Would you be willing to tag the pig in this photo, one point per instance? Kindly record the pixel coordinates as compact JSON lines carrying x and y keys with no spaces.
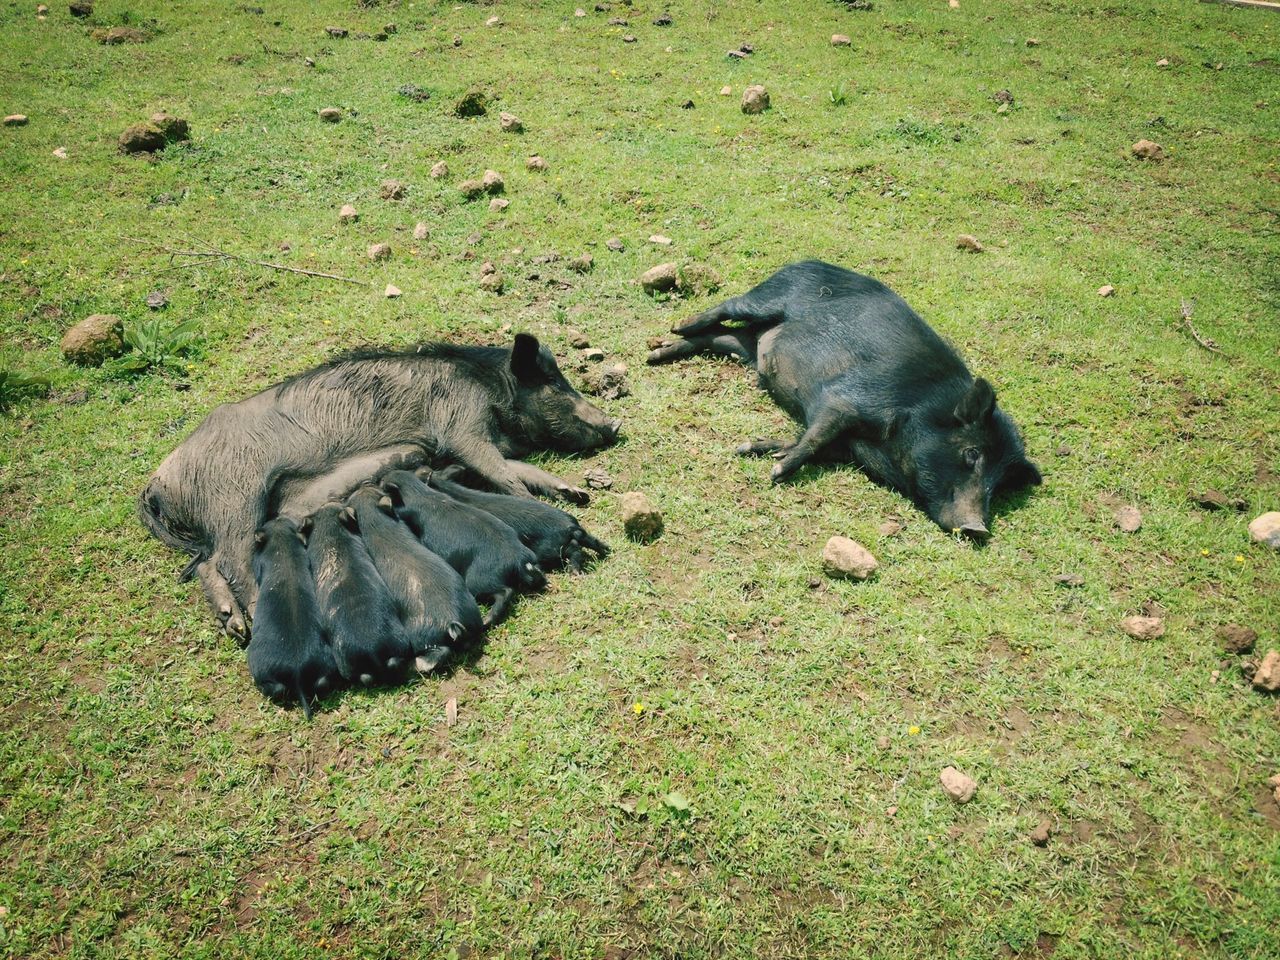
{"x":316,"y":436}
{"x":554,"y":536}
{"x":290,"y":655}
{"x":484,"y":550}
{"x":356,"y":606}
{"x":871,"y":383}
{"x":439,"y":614}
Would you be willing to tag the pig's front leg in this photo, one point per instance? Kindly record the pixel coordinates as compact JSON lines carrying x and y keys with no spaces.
{"x":547,"y":484}
{"x":222,"y":601}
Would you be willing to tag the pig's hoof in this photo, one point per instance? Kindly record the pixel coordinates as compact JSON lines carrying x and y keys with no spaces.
{"x":780,"y":472}
{"x":574,"y":495}
{"x":758,"y":448}
{"x":431,"y":658}
{"x":235,"y":626}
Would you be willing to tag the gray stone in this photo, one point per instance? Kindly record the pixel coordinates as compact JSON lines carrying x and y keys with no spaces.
{"x":1129,"y":519}
{"x":492,"y":181}
{"x":1266,"y":529}
{"x":1143,"y":628}
{"x":661,"y":278}
{"x":640,"y":518}
{"x":440,"y":170}
{"x":330,"y":114}
{"x":842,"y":557}
{"x":755,"y":99}
{"x":958,"y":786}
{"x":1267,"y":676}
{"x":510,"y":123}
{"x":537,"y":164}
{"x":94,"y":339}
{"x":379,"y":251}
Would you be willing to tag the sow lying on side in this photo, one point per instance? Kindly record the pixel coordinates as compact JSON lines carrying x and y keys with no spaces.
{"x":316,"y":437}
{"x":872,"y":384}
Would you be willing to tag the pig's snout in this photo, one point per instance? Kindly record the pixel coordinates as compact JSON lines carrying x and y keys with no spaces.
{"x":615,"y":427}
{"x":976,"y":532}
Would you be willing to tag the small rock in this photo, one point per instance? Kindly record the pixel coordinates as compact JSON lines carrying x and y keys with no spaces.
{"x":640,"y":518}
{"x":582,"y":264}
{"x":1210,"y":499}
{"x":487,"y":268}
{"x":1162,"y":62}
{"x":597,"y":478}
{"x":1040,"y":835}
{"x":1236,"y":638}
{"x":474,"y":238}
{"x":16,"y":120}
{"x":42,"y":10}
{"x":612,"y":383}
{"x":457,"y":41}
{"x":391,"y":190}
{"x":175,"y":129}
{"x":492,"y":282}
{"x":1106,"y":290}
{"x":420,"y":231}
{"x":890,"y":528}
{"x":726,"y":91}
{"x":157,"y":300}
{"x":379,"y":251}
{"x":94,"y":339}
{"x":737,"y":55}
{"x":628,"y":39}
{"x":499,"y":203}
{"x":1147,"y":150}
{"x":440,"y":170}
{"x":840,"y":40}
{"x":1267,"y":676}
{"x":330,"y":114}
{"x":1032,"y":42}
{"x":1064,"y":450}
{"x":593,"y":355}
{"x":473,"y":103}
{"x":1071,"y":581}
{"x":60,"y":152}
{"x":309,"y":61}
{"x":1143,"y":628}
{"x":471,"y":188}
{"x":578,"y":340}
{"x":492,"y":182}
{"x":579,"y":12}
{"x":81,"y":9}
{"x":660,"y":240}
{"x":348,"y":214}
{"x":967,"y":241}
{"x":493,"y":22}
{"x":1002,"y":96}
{"x":842,"y":557}
{"x":336,"y":32}
{"x":614,"y":244}
{"x":1129,"y":519}
{"x":112,"y":36}
{"x":660,"y":278}
{"x":389,"y":28}
{"x":616,"y":22}
{"x":755,"y":99}
{"x":392,"y":291}
{"x":958,"y":786}
{"x":537,"y":164}
{"x":663,"y":21}
{"x":411,"y":91}
{"x":1266,"y":529}
{"x":510,"y":123}
{"x":142,"y":138}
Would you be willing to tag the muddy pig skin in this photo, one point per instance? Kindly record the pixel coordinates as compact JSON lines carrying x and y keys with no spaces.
{"x":554,"y":536}
{"x":289,"y":657}
{"x":439,"y":615}
{"x":315,"y":437}
{"x":484,"y":550}
{"x":359,"y":613}
{"x":872,"y":384}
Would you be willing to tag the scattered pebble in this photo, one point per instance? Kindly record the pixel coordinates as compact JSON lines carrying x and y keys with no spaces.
{"x":487,"y":268}
{"x":687,"y":105}
{"x":726,"y":91}
{"x":420,"y":231}
{"x":451,"y":712}
{"x":492,"y":282}
{"x":1147,"y":150}
{"x":379,"y":251}
{"x":1129,"y":519}
{"x":582,"y":264}
{"x":498,"y":204}
{"x":1032,"y":42}
{"x":660,"y":240}
{"x":60,"y":152}
{"x":1071,"y":581}
{"x":579,"y":12}
{"x":967,"y":241}
{"x":493,"y":182}
{"x":663,"y":21}
{"x":628,"y":39}
{"x":1210,"y":499}
{"x":113,"y":36}
{"x":1266,"y":529}
{"x":1236,"y":638}
{"x":578,"y":340}
{"x":660,"y":278}
{"x":1267,"y":676}
{"x":42,"y":10}
{"x":1002,"y":96}
{"x":392,"y":291}
{"x":1106,"y":290}
{"x":842,"y":557}
{"x":336,"y":32}
{"x":616,"y":22}
{"x":537,"y":164}
{"x":640,"y":518}
{"x":348,"y":214}
{"x":157,"y":300}
{"x":958,"y":786}
{"x":16,"y":120}
{"x":593,"y":355}
{"x":471,"y":188}
{"x":84,"y":8}
{"x":614,"y":244}
{"x":510,"y":123}
{"x":1143,"y":628}
{"x":840,"y":40}
{"x":1274,"y":784}
{"x":330,"y":114}
{"x":1040,"y":835}
{"x":597,"y":478}
{"x":392,"y":190}
{"x":493,"y":22}
{"x":1162,"y":62}
{"x":755,"y":99}
{"x":411,"y":91}
{"x":94,"y":339}
{"x":1064,"y":450}
{"x":612,"y":383}
{"x":440,"y":170}
{"x":890,"y":528}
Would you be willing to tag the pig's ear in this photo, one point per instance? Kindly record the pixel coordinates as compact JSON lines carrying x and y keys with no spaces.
{"x":524,"y":359}
{"x":386,"y":506}
{"x":977,"y":404}
{"x":1021,"y":473}
{"x":394,"y":496}
{"x":347,"y":517}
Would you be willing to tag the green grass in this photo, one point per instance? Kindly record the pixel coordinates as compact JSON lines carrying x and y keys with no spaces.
{"x":153,"y":805}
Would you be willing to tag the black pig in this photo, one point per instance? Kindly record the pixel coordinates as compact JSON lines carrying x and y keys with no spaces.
{"x":554,"y":536}
{"x":315,"y":437}
{"x":289,"y":656}
{"x":439,"y":614}
{"x":360,"y":615}
{"x":485,"y":551}
{"x":872,"y":383}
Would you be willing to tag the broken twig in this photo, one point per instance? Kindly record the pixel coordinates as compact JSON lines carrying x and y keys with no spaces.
{"x":212,"y":254}
{"x":1206,"y":342}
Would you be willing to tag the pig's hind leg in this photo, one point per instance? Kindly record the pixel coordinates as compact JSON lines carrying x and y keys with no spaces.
{"x":835,"y":418}
{"x":739,"y":344}
{"x":222,"y":601}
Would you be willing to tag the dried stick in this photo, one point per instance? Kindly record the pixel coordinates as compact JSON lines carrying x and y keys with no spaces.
{"x":1206,"y":342}
{"x":212,"y":254}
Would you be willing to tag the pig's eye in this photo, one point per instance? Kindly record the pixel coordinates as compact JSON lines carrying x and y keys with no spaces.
{"x":971,"y":457}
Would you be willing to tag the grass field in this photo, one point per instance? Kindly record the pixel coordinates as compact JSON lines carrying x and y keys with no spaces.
{"x":703,"y":748}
